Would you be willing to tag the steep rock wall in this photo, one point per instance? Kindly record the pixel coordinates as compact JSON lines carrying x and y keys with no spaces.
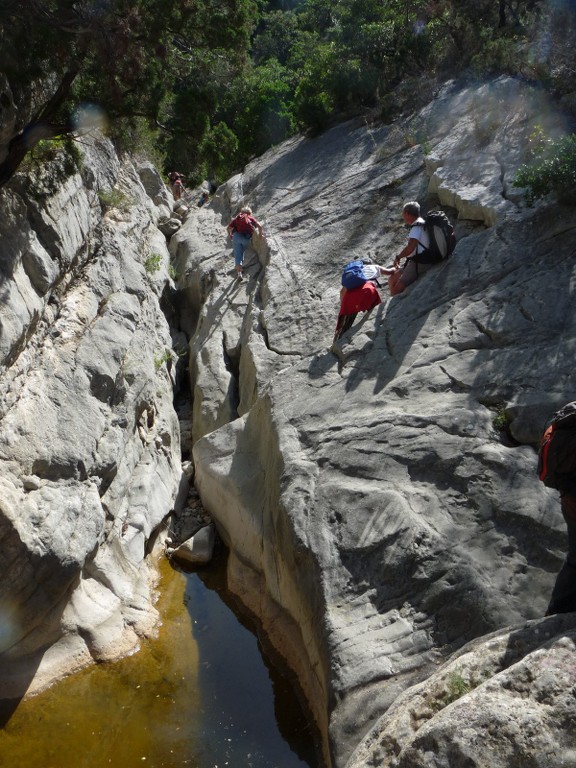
{"x":377,"y":518}
{"x":89,"y":441}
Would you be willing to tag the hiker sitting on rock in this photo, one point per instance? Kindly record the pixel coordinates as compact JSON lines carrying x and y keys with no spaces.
{"x":241,"y":229}
{"x":358,"y":293}
{"x":400,"y":277}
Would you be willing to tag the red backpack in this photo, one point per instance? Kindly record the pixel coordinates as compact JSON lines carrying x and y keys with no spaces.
{"x":557,"y":454}
{"x":243,"y":223}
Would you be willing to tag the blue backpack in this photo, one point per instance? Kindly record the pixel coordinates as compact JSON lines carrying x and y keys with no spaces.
{"x":353,"y":275}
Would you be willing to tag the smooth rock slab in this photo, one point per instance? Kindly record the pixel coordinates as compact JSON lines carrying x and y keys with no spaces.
{"x":366,"y":494}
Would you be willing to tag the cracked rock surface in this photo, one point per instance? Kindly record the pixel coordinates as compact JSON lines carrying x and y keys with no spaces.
{"x":89,"y":440}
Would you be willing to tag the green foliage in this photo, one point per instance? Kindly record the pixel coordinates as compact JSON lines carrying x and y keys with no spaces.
{"x":263,"y":106}
{"x":501,"y":420}
{"x":114,"y":198}
{"x":500,"y":55}
{"x":127,"y":58}
{"x":153,"y":263}
{"x":204,"y":86}
{"x":279,"y":31}
{"x":553,"y":169}
{"x":140,"y":138}
{"x":218,"y":151}
{"x":163,"y":358}
{"x":49,"y":165}
{"x":415,"y":139}
{"x":457,"y":687}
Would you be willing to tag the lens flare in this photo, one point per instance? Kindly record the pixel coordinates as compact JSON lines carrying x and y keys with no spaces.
{"x":89,"y":117}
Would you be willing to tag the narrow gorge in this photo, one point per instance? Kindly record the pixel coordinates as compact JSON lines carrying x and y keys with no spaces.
{"x":378,"y":495}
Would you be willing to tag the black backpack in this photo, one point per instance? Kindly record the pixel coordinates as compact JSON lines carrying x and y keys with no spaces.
{"x":442,"y":240}
{"x":557,"y":454}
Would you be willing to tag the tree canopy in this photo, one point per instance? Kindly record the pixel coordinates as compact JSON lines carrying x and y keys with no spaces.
{"x":215,"y":82}
{"x":128,"y":58}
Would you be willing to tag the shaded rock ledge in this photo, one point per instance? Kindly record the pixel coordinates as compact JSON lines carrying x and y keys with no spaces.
{"x":379,"y":496}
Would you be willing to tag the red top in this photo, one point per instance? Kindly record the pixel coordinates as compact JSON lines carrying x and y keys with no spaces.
{"x":360,"y":299}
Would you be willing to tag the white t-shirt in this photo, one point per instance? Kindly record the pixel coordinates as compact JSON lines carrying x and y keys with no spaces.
{"x":371,"y":271}
{"x":417,"y":232}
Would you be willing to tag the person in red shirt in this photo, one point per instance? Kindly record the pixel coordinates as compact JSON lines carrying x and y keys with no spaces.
{"x":241,"y":229}
{"x":361,"y":299}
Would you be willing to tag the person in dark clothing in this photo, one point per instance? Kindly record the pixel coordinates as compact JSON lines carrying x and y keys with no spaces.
{"x":563,"y":598}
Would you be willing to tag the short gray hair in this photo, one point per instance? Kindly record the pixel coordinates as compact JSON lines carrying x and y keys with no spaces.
{"x":246,"y":209}
{"x":412,"y":208}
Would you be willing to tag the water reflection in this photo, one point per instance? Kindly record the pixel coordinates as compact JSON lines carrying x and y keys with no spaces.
{"x":199,"y":695}
{"x":250,"y":714}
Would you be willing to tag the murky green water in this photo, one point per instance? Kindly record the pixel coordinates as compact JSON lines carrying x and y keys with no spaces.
{"x":199,"y":695}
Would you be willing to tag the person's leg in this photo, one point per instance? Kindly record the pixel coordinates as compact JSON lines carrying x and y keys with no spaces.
{"x":394,"y":283}
{"x":563,"y":598}
{"x":239,"y":243}
{"x":407,"y":275}
{"x":343,"y":324}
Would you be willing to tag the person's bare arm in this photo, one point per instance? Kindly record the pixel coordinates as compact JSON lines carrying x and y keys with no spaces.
{"x":407,"y":251}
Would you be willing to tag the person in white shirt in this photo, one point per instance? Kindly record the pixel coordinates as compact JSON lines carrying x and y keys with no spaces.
{"x":418,"y":242}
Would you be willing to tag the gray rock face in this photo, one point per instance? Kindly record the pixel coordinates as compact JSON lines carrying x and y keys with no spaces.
{"x":377,"y":517}
{"x":503,"y":700}
{"x":89,"y":441}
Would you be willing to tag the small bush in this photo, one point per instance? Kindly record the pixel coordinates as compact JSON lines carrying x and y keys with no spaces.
{"x":114,"y":198}
{"x":554,"y":170}
{"x":163,"y":358}
{"x":153,"y":263}
{"x":501,"y":419}
{"x":457,"y":687}
{"x":49,"y":165}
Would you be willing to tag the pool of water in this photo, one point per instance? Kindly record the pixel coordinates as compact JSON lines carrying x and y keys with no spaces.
{"x":201,"y":694}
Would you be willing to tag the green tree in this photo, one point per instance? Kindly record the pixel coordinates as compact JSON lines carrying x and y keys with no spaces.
{"x":126,"y":57}
{"x":553,"y":169}
{"x":260,"y":107}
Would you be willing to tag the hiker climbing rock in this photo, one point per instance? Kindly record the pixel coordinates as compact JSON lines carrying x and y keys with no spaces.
{"x":358,"y":293}
{"x":241,"y":229}
{"x":176,"y":184}
{"x":430,"y":240}
{"x":557,"y":469}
